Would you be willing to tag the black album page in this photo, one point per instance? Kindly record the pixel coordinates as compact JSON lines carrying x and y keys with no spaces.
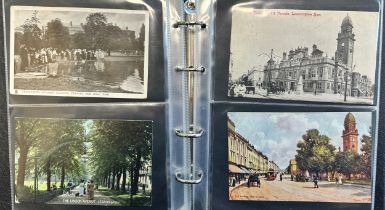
{"x":86,"y":107}
{"x":296,"y":104}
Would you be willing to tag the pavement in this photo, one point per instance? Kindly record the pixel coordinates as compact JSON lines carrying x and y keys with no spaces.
{"x":288,"y":190}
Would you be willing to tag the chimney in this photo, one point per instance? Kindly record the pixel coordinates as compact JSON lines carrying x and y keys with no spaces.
{"x":284,"y":56}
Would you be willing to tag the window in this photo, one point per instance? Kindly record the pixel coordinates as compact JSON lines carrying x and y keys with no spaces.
{"x":313,"y":73}
{"x":319,"y":85}
{"x":320,"y":71}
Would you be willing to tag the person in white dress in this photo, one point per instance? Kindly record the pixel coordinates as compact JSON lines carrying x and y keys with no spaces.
{"x":339,"y":179}
{"x":81,"y":188}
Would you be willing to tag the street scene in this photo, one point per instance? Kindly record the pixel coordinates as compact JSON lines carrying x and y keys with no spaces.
{"x":311,"y":157}
{"x":75,"y":52}
{"x":305,"y":63}
{"x":83,"y":162}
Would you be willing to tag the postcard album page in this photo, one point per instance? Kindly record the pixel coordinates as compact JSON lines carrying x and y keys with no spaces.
{"x":295,"y":110}
{"x":87,"y":117}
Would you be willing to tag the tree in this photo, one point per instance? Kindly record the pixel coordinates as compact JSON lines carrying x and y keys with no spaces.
{"x":28,"y":134}
{"x":79,"y":41}
{"x":142,"y":37}
{"x":345,"y":162}
{"x":315,"y":153}
{"x":59,"y":148}
{"x":366,"y":149}
{"x":119,"y":148}
{"x":32,"y":32}
{"x":57,"y":35}
{"x":19,"y":41}
{"x":95,"y":29}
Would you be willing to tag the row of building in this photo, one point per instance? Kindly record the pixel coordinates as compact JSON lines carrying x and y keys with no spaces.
{"x":244,"y":158}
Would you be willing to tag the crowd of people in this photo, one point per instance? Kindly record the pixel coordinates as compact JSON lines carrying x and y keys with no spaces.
{"x":30,"y":58}
{"x":84,"y":188}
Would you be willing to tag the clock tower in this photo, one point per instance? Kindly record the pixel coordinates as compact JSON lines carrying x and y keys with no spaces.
{"x":345,"y":43}
{"x":350,"y":134}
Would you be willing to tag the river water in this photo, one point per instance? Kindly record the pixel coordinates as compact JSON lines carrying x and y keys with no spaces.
{"x":124,"y":73}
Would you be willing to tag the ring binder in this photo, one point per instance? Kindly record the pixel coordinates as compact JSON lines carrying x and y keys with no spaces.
{"x":192,"y":133}
{"x":179,"y":176}
{"x":193,"y":69}
{"x":192,"y":176}
{"x":187,"y":24}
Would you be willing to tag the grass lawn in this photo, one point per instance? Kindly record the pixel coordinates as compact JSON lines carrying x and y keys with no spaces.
{"x":42,"y":186}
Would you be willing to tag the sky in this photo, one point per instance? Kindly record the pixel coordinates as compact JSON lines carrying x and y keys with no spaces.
{"x":255,"y":32}
{"x":277,"y":134}
{"x":122,"y":18}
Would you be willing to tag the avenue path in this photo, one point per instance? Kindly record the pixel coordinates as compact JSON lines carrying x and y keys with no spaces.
{"x":288,"y":190}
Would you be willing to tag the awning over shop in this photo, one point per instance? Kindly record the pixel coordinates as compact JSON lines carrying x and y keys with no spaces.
{"x":246,"y":170}
{"x":235,"y":169}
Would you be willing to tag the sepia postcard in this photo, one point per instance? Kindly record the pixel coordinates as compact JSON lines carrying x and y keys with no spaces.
{"x":303,"y":157}
{"x":79,"y":52}
{"x":304,"y":55}
{"x":83,"y":162}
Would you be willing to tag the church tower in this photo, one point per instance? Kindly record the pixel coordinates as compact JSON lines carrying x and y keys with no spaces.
{"x":345,"y":43}
{"x":350,"y":134}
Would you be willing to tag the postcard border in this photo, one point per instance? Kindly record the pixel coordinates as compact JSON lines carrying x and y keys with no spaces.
{"x":21,"y":92}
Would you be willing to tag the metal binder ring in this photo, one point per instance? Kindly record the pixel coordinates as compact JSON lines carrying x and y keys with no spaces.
{"x":193,"y":69}
{"x":186,"y":24}
{"x":198,"y":173}
{"x":192,"y":133}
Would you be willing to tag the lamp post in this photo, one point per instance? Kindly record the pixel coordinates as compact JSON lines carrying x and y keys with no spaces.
{"x":270,"y":62}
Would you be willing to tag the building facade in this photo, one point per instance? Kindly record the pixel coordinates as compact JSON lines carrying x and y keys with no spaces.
{"x":243,"y":156}
{"x":313,"y":71}
{"x":293,"y":167}
{"x":273,"y":166}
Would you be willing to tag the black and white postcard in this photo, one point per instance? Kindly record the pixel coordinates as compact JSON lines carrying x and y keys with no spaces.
{"x":303,"y":157}
{"x":304,"y":55}
{"x":83,"y":162}
{"x":79,"y":52}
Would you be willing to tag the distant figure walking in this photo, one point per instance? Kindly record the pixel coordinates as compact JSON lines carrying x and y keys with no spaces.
{"x":315,"y":180}
{"x":90,"y":190}
{"x":280,"y":177}
{"x":339,"y":179}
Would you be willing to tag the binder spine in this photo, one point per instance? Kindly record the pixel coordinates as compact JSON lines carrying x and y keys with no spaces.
{"x":193,"y":174}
